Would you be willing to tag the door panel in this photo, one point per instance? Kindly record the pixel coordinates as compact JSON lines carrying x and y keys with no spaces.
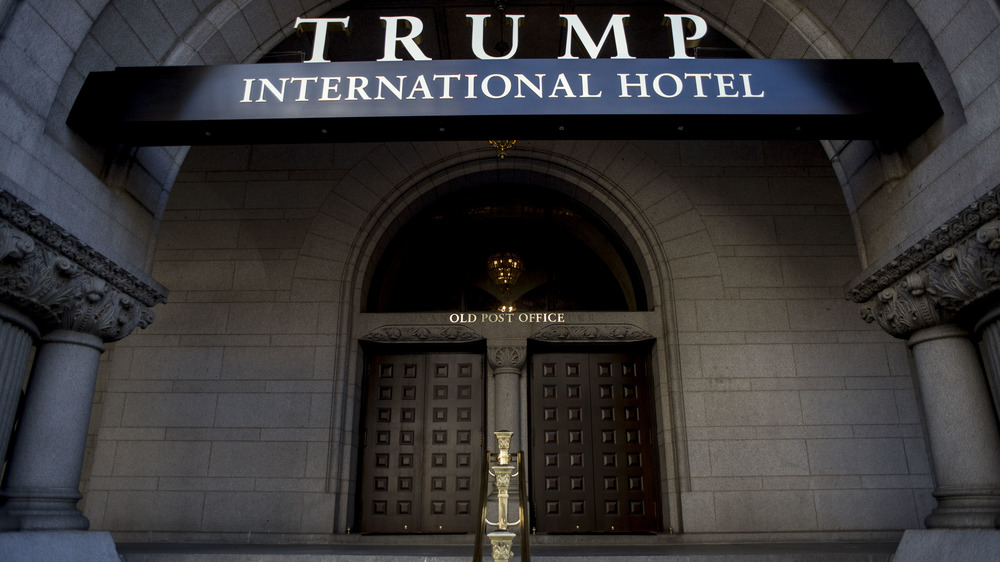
{"x":421,"y":453}
{"x":593,"y":453}
{"x":561,"y":457}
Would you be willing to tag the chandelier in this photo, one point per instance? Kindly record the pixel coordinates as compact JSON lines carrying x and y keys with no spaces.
{"x":504,"y":269}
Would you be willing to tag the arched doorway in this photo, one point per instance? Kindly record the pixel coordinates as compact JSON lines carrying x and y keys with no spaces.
{"x":574,"y":261}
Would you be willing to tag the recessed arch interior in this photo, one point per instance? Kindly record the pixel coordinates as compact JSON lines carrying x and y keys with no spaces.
{"x":568,"y":259}
{"x":433,"y":256}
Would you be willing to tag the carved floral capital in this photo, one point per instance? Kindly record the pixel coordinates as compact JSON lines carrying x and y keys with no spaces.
{"x":507,"y":357}
{"x":970,"y":222}
{"x":60,"y":283}
{"x":944,"y":284}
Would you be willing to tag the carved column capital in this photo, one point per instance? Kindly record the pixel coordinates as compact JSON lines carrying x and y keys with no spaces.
{"x":904,"y":307}
{"x":506,"y":358}
{"x":60,"y":283}
{"x":960,"y":266}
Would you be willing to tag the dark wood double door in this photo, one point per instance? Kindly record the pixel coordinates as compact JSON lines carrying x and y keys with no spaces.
{"x":593,"y":454}
{"x":422,"y":450}
{"x":594,"y":464}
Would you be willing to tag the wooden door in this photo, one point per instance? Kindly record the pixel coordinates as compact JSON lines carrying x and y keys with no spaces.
{"x":593,"y":462}
{"x":421,"y":450}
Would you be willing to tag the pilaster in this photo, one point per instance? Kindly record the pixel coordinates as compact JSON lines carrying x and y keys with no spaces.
{"x":17,"y":334}
{"x":988,"y":329}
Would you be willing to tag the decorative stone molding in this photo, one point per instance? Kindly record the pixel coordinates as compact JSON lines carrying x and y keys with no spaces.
{"x":592,"y":333}
{"x":935,"y":291}
{"x":61,"y":283}
{"x":507,"y":357}
{"x":421,"y":334}
{"x":951,"y":233}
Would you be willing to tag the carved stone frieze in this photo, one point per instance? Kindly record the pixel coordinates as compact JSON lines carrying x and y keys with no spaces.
{"x":591,"y":333}
{"x":60,"y":283}
{"x":953,"y":232}
{"x":421,"y":334}
{"x":507,"y":357}
{"x":938,"y":289}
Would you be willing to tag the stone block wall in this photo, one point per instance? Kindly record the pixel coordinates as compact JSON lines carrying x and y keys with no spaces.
{"x":797,"y":416}
{"x":789,"y":402}
{"x":217,"y":418}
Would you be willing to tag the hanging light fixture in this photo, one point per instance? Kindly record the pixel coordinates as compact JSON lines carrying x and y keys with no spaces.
{"x":502,"y":147}
{"x":505,"y":268}
{"x":503,"y":48}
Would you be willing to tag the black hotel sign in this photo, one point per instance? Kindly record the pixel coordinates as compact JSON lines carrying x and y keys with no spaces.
{"x":565,"y":98}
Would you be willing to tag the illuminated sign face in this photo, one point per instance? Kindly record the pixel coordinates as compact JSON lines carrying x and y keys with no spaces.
{"x":507,"y":317}
{"x":403,"y":31}
{"x":551,"y":84}
{"x":504,"y":97}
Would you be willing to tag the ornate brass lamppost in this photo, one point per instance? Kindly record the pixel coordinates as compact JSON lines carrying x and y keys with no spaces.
{"x":502,"y":540}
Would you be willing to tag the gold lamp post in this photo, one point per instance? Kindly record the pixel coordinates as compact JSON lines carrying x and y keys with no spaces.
{"x":505,"y":268}
{"x":502,"y":539}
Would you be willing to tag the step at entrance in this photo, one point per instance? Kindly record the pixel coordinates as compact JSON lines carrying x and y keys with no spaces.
{"x":369,"y":551}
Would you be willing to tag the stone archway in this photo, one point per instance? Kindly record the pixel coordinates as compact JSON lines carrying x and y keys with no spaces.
{"x":554,"y":172}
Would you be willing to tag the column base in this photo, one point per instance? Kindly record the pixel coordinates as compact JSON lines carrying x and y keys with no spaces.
{"x":42,"y":510}
{"x":65,"y":546}
{"x":965,"y":509}
{"x":935,"y":545}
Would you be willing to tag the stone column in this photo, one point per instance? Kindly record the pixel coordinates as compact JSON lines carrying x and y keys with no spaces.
{"x":78,"y":299}
{"x":961,"y":427}
{"x":44,"y":475}
{"x":507,"y":362}
{"x":924,"y":295}
{"x":988,"y":329}
{"x":17,"y":334}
